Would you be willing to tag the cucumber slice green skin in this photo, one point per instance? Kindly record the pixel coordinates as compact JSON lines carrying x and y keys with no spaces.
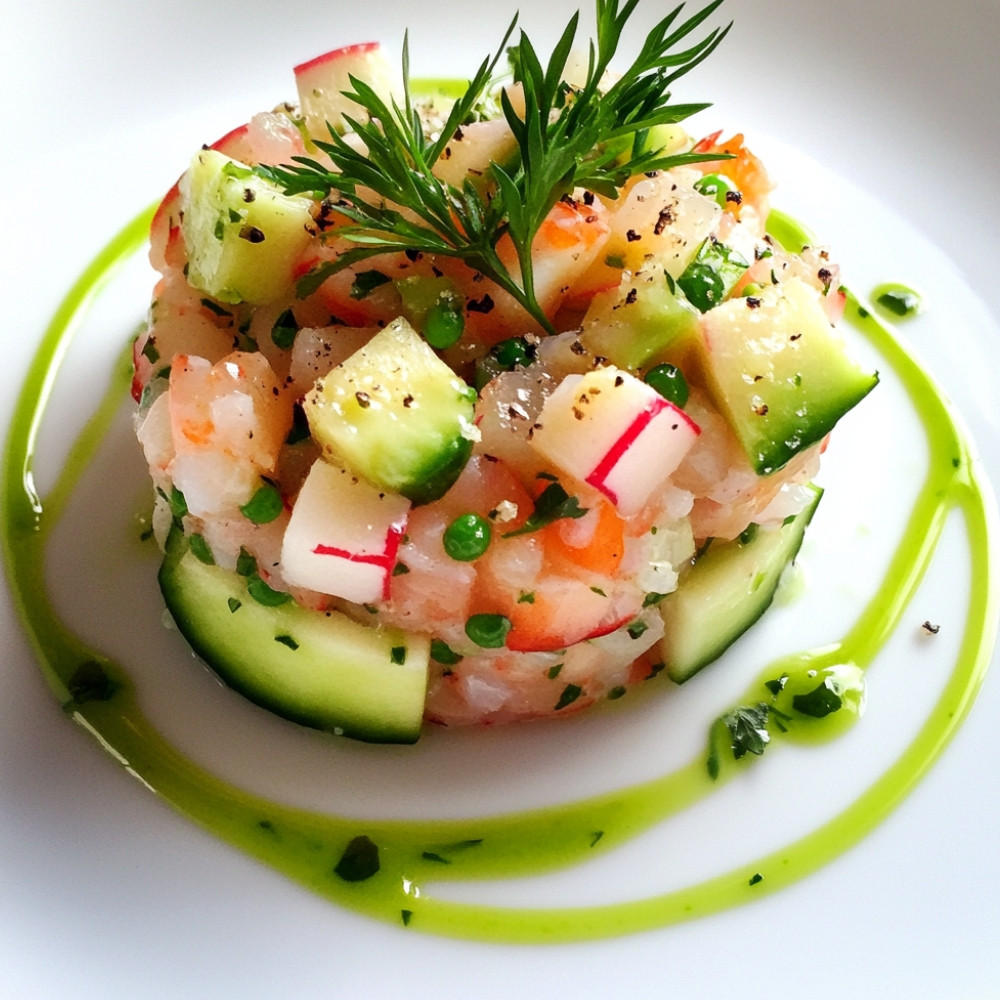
{"x":725,"y":592}
{"x":341,"y":676}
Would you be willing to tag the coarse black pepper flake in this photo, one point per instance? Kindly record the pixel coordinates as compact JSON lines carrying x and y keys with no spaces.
{"x":364,"y":400}
{"x":588,"y":198}
{"x":633,"y":294}
{"x":483,"y":305}
{"x":663,"y":220}
{"x":252,"y":234}
{"x":752,"y":302}
{"x":632,"y":236}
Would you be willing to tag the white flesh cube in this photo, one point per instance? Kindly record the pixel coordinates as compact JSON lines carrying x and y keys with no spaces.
{"x":322,"y":81}
{"x":343,"y":536}
{"x":614,"y":432}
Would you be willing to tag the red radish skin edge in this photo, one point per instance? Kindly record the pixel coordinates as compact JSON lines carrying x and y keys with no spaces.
{"x":517,"y":645}
{"x":606,"y":465}
{"x":348,"y":50}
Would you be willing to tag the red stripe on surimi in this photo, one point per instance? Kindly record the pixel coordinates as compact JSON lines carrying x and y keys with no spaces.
{"x":612,"y":456}
{"x":386,"y":559}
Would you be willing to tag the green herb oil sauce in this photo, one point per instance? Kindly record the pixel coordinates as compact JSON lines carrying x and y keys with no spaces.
{"x":383,"y":868}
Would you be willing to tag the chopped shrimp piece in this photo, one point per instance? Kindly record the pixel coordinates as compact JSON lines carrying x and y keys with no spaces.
{"x":228,"y":423}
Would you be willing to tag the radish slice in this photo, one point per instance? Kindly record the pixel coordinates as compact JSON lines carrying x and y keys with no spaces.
{"x":614,"y":432}
{"x":343,"y":536}
{"x":321,"y":83}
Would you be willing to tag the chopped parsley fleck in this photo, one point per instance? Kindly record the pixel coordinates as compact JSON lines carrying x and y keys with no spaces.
{"x":637,"y":628}
{"x":365,"y":282}
{"x":234,"y":605}
{"x":359,"y":861}
{"x":441,"y":652}
{"x":553,"y":504}
{"x":90,"y":682}
{"x":569,"y":694}
{"x":178,"y":505}
{"x":200,"y":549}
{"x":264,"y":594}
{"x":246,"y":564}
{"x":287,"y":640}
{"x":284,"y":330}
{"x":553,"y":672}
{"x":777,"y":684}
{"x":820,"y":702}
{"x":214,"y":307}
{"x":398,"y":655}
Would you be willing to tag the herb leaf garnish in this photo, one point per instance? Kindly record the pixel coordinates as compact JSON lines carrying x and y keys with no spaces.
{"x":569,"y":137}
{"x":553,"y":504}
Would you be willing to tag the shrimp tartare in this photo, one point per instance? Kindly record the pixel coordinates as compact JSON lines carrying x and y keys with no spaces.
{"x":401,"y":480}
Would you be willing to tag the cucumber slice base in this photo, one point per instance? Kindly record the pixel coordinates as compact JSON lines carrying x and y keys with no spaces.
{"x":725,"y":592}
{"x":319,"y":669}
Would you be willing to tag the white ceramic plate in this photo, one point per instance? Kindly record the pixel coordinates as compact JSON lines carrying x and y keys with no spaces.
{"x":105,"y":892}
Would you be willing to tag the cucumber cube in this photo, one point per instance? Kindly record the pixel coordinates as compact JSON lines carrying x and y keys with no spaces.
{"x":640,"y":320}
{"x":396,"y":414}
{"x":779,"y":371}
{"x":243,"y":236}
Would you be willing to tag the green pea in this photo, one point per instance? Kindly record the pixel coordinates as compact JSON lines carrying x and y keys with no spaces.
{"x":512,"y":352}
{"x":703,"y":285}
{"x":467,"y":537}
{"x":716,"y":186}
{"x":264,"y":506}
{"x":444,"y":325}
{"x":668,"y":380}
{"x":488,"y":631}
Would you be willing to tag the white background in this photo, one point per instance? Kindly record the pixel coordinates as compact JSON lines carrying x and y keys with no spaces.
{"x":104,"y":892}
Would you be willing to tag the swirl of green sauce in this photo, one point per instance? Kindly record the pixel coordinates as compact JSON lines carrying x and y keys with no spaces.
{"x":382,"y":868}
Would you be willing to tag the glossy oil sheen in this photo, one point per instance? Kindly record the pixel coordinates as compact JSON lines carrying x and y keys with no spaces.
{"x":308,"y":846}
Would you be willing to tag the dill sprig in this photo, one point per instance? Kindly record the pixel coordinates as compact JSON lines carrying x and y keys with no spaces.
{"x":569,"y":137}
